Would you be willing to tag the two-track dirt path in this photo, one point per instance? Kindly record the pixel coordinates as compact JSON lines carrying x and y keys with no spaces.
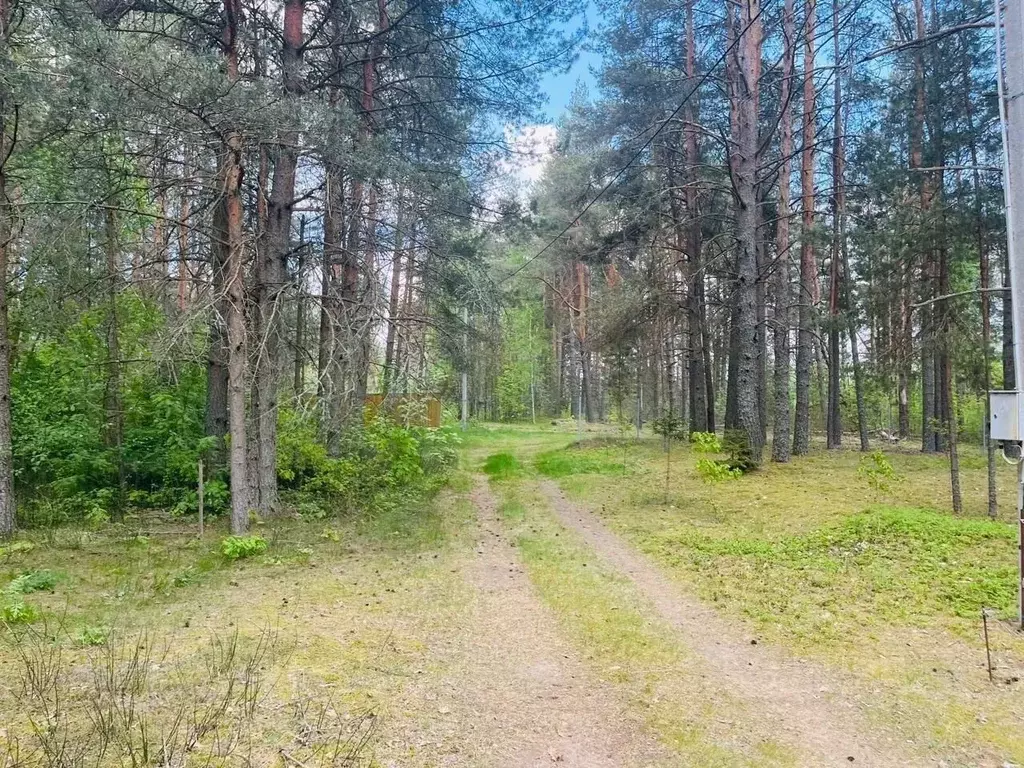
{"x":799,"y":700}
{"x":516,"y":694}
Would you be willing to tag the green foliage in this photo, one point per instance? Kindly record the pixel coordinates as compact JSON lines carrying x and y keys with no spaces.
{"x":13,"y":608}
{"x":17,"y":611}
{"x":241,"y":547}
{"x":577,"y":461}
{"x":381,"y":465}
{"x":524,"y":356}
{"x":301,"y":455}
{"x":705,"y":442}
{"x":737,"y":445}
{"x":713,"y":471}
{"x":33,"y":581}
{"x":92,"y":636}
{"x":671,"y":426}
{"x":878,"y":471}
{"x":64,"y":470}
{"x":501,"y":466}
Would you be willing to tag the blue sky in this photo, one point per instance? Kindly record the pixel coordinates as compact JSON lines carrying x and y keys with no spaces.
{"x":559,"y":87}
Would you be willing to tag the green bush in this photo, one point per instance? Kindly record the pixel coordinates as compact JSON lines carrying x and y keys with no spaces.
{"x":17,"y":611}
{"x":64,"y":470}
{"x":717,"y":470}
{"x":737,"y":446}
{"x":241,"y":547}
{"x":91,"y":636}
{"x":671,"y":426}
{"x":878,"y":471}
{"x":705,"y":442}
{"x":501,"y":466}
{"x":381,"y":464}
{"x":33,"y":581}
{"x":713,"y":471}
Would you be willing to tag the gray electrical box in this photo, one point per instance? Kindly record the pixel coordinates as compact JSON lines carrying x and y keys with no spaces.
{"x":1005,"y":420}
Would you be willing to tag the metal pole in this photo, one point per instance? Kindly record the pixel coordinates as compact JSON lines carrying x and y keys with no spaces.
{"x":1011,"y":105}
{"x":465,"y":366}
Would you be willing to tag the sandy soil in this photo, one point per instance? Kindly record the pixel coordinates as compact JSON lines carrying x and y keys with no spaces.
{"x":803,"y":703}
{"x":516,"y":694}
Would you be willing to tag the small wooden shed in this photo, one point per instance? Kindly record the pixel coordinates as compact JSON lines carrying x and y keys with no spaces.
{"x":418,"y":409}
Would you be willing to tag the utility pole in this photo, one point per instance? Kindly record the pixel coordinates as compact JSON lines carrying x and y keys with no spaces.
{"x":1011,"y":105}
{"x":465,"y":367}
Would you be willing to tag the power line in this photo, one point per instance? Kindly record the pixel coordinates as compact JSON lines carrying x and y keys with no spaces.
{"x":636,"y":155}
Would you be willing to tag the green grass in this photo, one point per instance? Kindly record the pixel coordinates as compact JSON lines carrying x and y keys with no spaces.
{"x":884,"y":565}
{"x":501,"y":466}
{"x":354,"y":607}
{"x":808,"y":551}
{"x":579,"y":461}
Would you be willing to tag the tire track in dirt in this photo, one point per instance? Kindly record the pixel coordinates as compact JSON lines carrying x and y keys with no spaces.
{"x":517,"y":696}
{"x":797,"y":700}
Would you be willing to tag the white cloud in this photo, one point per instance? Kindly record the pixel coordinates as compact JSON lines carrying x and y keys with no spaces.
{"x":529,"y":149}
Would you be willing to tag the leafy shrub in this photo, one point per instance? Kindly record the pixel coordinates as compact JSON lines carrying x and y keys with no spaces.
{"x":241,"y":547}
{"x":17,"y":611}
{"x":381,"y":464}
{"x":705,"y":442}
{"x":33,"y":581}
{"x":713,"y":470}
{"x":878,"y":471}
{"x":91,"y":636}
{"x":63,"y":468}
{"x":439,"y":450}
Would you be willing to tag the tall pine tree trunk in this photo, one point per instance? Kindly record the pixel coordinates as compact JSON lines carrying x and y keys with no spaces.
{"x":744,"y":161}
{"x":808,"y":265}
{"x":986,"y":307}
{"x":273,"y":251}
{"x":834,"y":434}
{"x":299,"y":345}
{"x":113,"y":406}
{"x":929,"y":388}
{"x":7,"y":137}
{"x":394,"y":297}
{"x":217,"y":352}
{"x":783,"y":315}
{"x":702,"y":405}
{"x":230,"y":180}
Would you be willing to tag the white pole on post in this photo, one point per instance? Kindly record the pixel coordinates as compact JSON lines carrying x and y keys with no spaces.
{"x":465,"y":366}
{"x":1011,"y":105}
